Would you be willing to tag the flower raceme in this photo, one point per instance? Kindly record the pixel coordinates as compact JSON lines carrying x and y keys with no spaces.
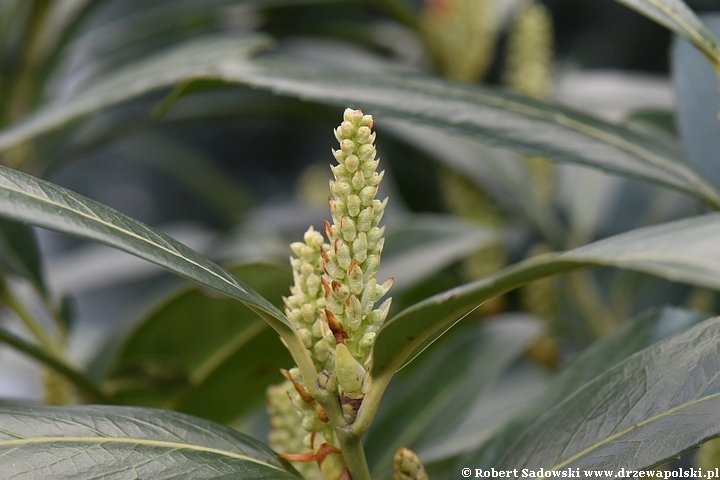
{"x":352,"y":258}
{"x":332,"y":301}
{"x":335,"y":290}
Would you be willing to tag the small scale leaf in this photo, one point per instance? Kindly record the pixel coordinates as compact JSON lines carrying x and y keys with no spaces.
{"x":123,"y":442}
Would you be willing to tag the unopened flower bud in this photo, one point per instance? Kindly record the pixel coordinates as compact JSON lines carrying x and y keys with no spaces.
{"x":365,"y":152}
{"x":367,"y":195}
{"x":353,"y":312}
{"x":348,"y":229}
{"x":348,"y":147}
{"x":360,"y":247}
{"x":353,"y":205}
{"x":350,"y":374}
{"x":355,"y":278}
{"x":352,"y":163}
{"x":342,"y":253}
{"x":365,"y":219}
{"x":358,"y":180}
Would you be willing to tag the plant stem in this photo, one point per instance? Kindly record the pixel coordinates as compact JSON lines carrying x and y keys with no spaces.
{"x":84,"y":384}
{"x":354,"y":455}
{"x":32,"y":323}
{"x":23,"y":88}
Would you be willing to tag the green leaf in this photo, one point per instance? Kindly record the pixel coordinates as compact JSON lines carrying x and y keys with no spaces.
{"x":36,"y":202}
{"x":644,"y":331}
{"x":698,"y":101}
{"x":679,"y":18}
{"x":19,"y":253}
{"x":655,"y":405}
{"x":491,"y":116}
{"x":425,"y":244}
{"x":502,"y":174}
{"x":197,"y":59}
{"x":500,"y":118}
{"x":203,"y":354}
{"x":436,"y":397}
{"x":685,"y":251}
{"x":110,"y":442}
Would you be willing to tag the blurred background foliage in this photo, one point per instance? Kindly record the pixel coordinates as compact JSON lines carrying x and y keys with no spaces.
{"x":237,"y":173}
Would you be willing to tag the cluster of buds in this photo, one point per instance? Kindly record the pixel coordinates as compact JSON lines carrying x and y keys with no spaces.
{"x":306,"y":306}
{"x":332,"y":303}
{"x":352,"y":258}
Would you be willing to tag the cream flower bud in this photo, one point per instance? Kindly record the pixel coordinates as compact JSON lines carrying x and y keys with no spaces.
{"x":353,"y":205}
{"x":348,"y":147}
{"x":355,"y":278}
{"x":360,"y":246}
{"x":352,"y":162}
{"x":342,"y":253}
{"x":365,"y":219}
{"x":353,"y":312}
{"x":367,"y":195}
{"x":365,"y":152}
{"x":348,"y":228}
{"x":358,"y":180}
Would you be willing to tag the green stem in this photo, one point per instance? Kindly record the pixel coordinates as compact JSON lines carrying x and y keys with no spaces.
{"x":354,"y":455}
{"x":23,"y":88}
{"x":32,"y":323}
{"x":84,"y":385}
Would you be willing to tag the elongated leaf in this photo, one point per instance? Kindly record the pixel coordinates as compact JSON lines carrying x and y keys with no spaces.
{"x":19,"y":253}
{"x":491,"y":116}
{"x":199,"y":59}
{"x":126,"y":442}
{"x":43,"y":204}
{"x":648,"y":329}
{"x":436,"y":397}
{"x":698,"y":101}
{"x":203,"y":354}
{"x":427,"y":243}
{"x":677,"y":16}
{"x":655,"y":405}
{"x":685,"y":250}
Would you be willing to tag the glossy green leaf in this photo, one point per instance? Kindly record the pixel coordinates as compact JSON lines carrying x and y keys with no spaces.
{"x":642,"y":332}
{"x":436,"y":397}
{"x":685,"y":250}
{"x":502,"y":174}
{"x":36,"y":202}
{"x":491,"y":116}
{"x":655,"y":405}
{"x":204,"y":354}
{"x":126,"y":442}
{"x":679,"y":18}
{"x":197,"y":59}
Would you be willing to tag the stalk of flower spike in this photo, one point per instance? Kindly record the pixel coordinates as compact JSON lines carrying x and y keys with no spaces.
{"x":352,"y":257}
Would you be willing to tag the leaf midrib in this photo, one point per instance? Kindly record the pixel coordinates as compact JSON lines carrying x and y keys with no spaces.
{"x":126,"y":232}
{"x":135,"y":441}
{"x":642,"y":423}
